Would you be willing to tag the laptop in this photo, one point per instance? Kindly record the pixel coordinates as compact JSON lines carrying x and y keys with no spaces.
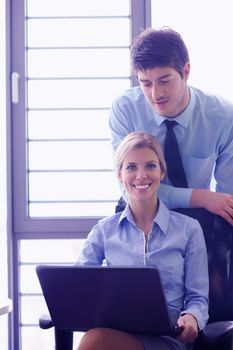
{"x":125,"y":298}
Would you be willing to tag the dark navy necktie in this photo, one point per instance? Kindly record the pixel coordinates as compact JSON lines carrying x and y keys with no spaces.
{"x":173,"y":159}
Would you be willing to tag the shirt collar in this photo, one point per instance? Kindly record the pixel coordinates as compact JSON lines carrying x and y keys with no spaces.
{"x":126,"y":214}
{"x":161,"y":218}
{"x":185,"y":117}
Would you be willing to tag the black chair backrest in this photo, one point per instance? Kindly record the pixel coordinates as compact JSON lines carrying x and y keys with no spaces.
{"x":219,"y":242}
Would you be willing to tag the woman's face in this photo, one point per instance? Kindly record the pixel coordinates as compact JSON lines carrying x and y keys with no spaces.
{"x":141,"y":174}
{"x":165,"y":89}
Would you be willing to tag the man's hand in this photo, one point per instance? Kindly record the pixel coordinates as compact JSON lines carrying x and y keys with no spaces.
{"x":190,"y":328}
{"x":216,"y":202}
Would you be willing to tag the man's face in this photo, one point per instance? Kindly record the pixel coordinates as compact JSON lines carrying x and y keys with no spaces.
{"x":165,"y":90}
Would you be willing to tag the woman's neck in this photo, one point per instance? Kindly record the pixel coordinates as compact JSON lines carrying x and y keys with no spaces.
{"x":144,"y":214}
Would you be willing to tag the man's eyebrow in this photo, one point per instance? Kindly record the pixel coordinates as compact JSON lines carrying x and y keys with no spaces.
{"x":165,"y":76}
{"x":159,"y":78}
{"x":144,"y":80}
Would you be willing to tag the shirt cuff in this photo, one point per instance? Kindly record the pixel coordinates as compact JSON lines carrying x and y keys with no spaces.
{"x":201,"y":322}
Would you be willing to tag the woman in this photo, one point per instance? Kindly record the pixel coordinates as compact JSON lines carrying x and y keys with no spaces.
{"x":147,"y":233}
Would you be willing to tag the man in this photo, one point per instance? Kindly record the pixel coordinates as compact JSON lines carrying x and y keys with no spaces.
{"x":204,"y":128}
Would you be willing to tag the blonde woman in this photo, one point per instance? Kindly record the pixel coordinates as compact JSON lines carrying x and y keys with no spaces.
{"x":147,"y":233}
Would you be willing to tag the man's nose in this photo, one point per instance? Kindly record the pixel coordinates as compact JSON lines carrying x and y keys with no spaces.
{"x":156,"y":92}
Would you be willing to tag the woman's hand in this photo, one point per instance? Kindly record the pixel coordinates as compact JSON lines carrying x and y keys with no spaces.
{"x":189,"y":326}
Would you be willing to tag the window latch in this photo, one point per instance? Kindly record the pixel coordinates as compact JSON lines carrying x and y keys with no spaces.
{"x":15,"y":87}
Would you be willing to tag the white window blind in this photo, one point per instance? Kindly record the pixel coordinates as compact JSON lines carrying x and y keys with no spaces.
{"x":77,"y":58}
{"x":70,"y":59}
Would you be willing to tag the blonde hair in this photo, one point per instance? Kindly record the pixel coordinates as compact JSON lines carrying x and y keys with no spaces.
{"x":135,"y":140}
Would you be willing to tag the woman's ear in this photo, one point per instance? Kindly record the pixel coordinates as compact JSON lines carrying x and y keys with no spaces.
{"x":162,"y":176}
{"x":119,"y":177}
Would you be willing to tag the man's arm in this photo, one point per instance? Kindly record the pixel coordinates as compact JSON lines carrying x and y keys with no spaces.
{"x":174,"y":197}
{"x":216,"y":202}
{"x":120,"y":123}
{"x":221,"y":201}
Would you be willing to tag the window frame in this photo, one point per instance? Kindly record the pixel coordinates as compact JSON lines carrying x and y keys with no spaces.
{"x":140,"y":14}
{"x":19,"y":225}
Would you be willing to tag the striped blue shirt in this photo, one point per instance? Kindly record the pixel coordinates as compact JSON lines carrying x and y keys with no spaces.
{"x":204,"y":133}
{"x":175,"y":245}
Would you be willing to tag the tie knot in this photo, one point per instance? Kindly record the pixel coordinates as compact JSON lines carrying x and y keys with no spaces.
{"x":170,"y":123}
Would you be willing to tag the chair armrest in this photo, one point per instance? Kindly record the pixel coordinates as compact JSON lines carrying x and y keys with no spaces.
{"x":217,"y":331}
{"x":45,"y":322}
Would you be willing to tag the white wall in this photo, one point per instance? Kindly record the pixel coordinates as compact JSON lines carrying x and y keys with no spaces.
{"x":206,"y":27}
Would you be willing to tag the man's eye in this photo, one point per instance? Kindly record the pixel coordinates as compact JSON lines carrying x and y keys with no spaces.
{"x":146,"y":84}
{"x":165,"y":82}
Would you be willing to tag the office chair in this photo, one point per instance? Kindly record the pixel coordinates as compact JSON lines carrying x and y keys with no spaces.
{"x":217,"y":335}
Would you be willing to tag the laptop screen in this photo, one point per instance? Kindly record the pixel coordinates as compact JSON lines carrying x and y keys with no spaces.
{"x":126,"y":298}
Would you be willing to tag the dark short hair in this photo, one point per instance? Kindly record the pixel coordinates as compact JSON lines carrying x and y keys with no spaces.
{"x":159,"y":48}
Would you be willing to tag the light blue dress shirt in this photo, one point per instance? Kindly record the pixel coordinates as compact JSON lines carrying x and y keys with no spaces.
{"x":204,"y":133}
{"x":175,"y":245}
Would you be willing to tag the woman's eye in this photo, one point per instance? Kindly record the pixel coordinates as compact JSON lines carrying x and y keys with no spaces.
{"x":131,"y":167}
{"x":151,"y":166}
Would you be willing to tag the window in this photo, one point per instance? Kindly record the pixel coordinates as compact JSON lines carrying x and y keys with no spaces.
{"x":76,"y":60}
{"x":32,"y":304}
{"x":68,"y":60}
